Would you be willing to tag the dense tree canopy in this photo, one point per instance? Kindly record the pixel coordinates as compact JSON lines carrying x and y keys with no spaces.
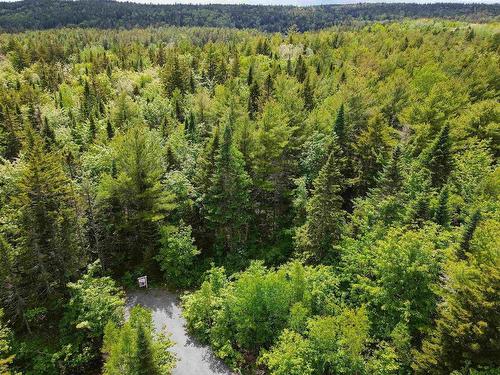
{"x":329,"y":198}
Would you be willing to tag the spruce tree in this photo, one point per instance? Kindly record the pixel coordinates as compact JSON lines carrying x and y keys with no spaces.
{"x":145,"y":356}
{"x":269,"y":87}
{"x":468,"y":231}
{"x":339,"y":125}
{"x":48,"y":237}
{"x":109,"y":130}
{"x":235,"y":66}
{"x":92,"y":129}
{"x":227,"y":201}
{"x":442,"y":215}
{"x":437,"y":158}
{"x":307,"y":94}
{"x":325,"y":217}
{"x":390,"y":180}
{"x":300,"y":69}
{"x":250,"y":75}
{"x":253,"y":100}
{"x":133,"y":199}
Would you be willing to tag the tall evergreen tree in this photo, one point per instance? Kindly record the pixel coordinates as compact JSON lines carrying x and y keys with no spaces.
{"x":49,"y":241}
{"x":390,"y":180}
{"x":339,"y":125}
{"x":468,"y":231}
{"x":253,"y":100}
{"x":228,"y":200}
{"x":307,"y":94}
{"x":145,"y":360}
{"x":250,"y":77}
{"x":438,"y":159}
{"x":442,"y":215}
{"x":133,"y":200}
{"x":235,"y":66}
{"x":325,"y":217}
{"x":300,"y":69}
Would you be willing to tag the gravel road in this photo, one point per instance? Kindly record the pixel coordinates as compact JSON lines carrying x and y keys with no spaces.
{"x":193,"y":358}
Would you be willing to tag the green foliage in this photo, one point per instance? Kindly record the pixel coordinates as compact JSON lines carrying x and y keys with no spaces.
{"x":368,"y":151}
{"x":94,"y":302}
{"x":227,"y":201}
{"x":251,"y":311}
{"x":133,"y":348}
{"x":6,"y":357}
{"x":331,"y":344}
{"x":134,"y":198}
{"x":466,"y":333}
{"x":177,"y":255}
{"x":324,"y":223}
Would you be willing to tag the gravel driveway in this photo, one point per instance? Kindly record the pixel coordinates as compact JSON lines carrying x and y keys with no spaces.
{"x":193,"y":358}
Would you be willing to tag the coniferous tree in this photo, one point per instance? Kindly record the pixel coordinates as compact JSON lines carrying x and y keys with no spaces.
{"x":371,"y":151}
{"x":268,"y":87}
{"x":442,"y":215}
{"x":109,"y":130}
{"x":300,"y":69}
{"x":465,"y":335}
{"x":228,"y":201}
{"x":390,"y":180}
{"x":250,"y":77}
{"x":133,"y":199}
{"x":145,"y":359}
{"x":308,"y":95}
{"x":235,"y":66}
{"x":253,"y":100}
{"x":325,"y":217}
{"x":49,"y":241}
{"x":438,"y":159}
{"x":468,"y":231}
{"x":92,"y":129}
{"x":339,"y":125}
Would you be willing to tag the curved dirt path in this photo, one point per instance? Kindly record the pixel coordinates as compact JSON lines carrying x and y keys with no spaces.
{"x":193,"y":358}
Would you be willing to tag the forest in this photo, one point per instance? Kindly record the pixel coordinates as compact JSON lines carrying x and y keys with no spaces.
{"x":45,"y":14}
{"x":326,"y":202}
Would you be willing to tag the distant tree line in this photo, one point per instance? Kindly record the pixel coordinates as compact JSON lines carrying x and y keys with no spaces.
{"x":46,"y":14}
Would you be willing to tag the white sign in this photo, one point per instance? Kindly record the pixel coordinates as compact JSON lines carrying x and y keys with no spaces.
{"x":143,"y":281}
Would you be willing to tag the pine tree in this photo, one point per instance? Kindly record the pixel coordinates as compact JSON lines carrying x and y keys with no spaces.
{"x":268,"y":87}
{"x":300,"y":69}
{"x":339,"y":125}
{"x":391,"y":180}
{"x":465,"y":335}
{"x":228,"y":198}
{"x":109,"y":130}
{"x":14,"y":295}
{"x":372,"y":149}
{"x":253,"y":100}
{"x":442,"y":215}
{"x":437,"y":158}
{"x":468,"y":231}
{"x":10,"y":144}
{"x":132,"y":199}
{"x":307,"y":94}
{"x":235,"y":66}
{"x":145,"y":360}
{"x":48,"y":235}
{"x":325,"y":217}
{"x":250,"y":75}
{"x":289,"y":67}
{"x":92,"y":129}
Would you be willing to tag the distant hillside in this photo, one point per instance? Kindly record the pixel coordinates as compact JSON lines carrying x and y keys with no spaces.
{"x":45,"y":14}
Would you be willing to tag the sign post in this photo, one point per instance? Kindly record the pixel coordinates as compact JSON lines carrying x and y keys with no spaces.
{"x":143,"y":281}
